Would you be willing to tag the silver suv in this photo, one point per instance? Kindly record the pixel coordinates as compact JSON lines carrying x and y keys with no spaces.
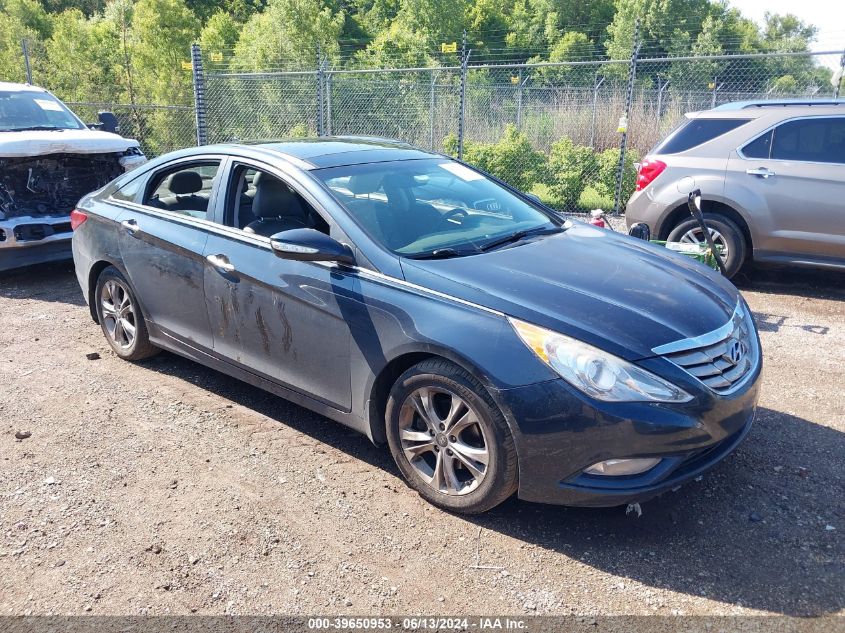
{"x":772,"y":177}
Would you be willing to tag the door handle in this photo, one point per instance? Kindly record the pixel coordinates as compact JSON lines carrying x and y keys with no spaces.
{"x":760,"y":171}
{"x":131,"y":226}
{"x":221,"y":263}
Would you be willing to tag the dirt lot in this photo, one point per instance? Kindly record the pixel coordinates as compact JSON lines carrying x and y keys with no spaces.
{"x":164,"y":487}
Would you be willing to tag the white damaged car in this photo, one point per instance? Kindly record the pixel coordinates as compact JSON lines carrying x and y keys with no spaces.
{"x":49,"y":159}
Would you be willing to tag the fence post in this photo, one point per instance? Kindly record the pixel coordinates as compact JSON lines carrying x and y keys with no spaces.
{"x":462,"y":110}
{"x":519,"y":101}
{"x":328,"y":103}
{"x":320,"y":86}
{"x":629,"y":97}
{"x":431,"y":111}
{"x":199,"y":95}
{"x":597,"y":82}
{"x":25,"y":48}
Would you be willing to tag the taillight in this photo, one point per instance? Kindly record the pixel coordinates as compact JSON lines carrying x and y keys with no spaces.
{"x":649,"y":169}
{"x":77,"y":217}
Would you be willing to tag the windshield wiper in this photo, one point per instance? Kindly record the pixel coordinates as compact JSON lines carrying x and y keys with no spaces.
{"x":33,"y":128}
{"x":442,"y":253}
{"x":517,"y":236}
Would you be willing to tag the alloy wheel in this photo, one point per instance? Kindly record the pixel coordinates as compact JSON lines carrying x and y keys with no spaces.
{"x":118,"y":313}
{"x":444,"y":440}
{"x":696,"y":236}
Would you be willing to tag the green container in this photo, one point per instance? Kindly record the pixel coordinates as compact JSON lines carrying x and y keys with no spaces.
{"x":699,"y":252}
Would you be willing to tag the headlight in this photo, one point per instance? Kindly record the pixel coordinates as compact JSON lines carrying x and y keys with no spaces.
{"x":595,"y":372}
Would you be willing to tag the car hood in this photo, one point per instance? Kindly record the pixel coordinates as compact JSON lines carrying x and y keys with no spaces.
{"x":615,"y":292}
{"x":42,"y":142}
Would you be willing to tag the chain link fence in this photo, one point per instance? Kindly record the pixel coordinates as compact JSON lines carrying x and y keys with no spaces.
{"x":550,"y":129}
{"x":158,"y":128}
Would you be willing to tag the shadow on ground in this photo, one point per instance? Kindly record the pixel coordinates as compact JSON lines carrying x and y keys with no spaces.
{"x":44,"y":282}
{"x":761,"y":530}
{"x":803,"y":282}
{"x":752,"y":533}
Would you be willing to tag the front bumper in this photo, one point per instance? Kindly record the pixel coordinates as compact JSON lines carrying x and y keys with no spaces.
{"x":559,"y":433}
{"x":27,"y":240}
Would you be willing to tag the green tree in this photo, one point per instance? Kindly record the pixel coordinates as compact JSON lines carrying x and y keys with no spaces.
{"x":287,"y":33}
{"x":21,"y":19}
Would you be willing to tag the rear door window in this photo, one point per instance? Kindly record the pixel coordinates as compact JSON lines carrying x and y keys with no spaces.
{"x":185,"y":189}
{"x":817,"y":140}
{"x":697,"y":132}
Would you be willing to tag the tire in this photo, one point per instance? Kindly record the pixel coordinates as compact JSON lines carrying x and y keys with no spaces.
{"x":446,"y":467}
{"x":725,"y":232}
{"x":120,"y":317}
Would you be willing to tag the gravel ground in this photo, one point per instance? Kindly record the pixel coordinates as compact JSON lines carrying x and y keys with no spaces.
{"x":164,"y":487}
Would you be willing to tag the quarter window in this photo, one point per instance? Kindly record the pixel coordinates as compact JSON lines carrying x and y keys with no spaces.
{"x":696,"y":132}
{"x":759,"y":147}
{"x":818,"y":140}
{"x":186,"y":189}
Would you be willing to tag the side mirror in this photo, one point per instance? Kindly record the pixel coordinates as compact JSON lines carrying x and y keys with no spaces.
{"x":534,"y":197}
{"x":309,"y":245}
{"x":108,"y":122}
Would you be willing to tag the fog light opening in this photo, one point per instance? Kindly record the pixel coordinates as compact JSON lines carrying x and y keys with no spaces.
{"x":622,"y":467}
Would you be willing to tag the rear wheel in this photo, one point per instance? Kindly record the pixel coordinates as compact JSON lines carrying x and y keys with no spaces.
{"x":120,"y":317}
{"x":449,"y":438}
{"x":725,"y":233}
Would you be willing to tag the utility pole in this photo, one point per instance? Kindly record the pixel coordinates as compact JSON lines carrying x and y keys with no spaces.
{"x":623,"y":127}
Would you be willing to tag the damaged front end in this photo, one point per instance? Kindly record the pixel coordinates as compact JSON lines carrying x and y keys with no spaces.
{"x":37,"y":194}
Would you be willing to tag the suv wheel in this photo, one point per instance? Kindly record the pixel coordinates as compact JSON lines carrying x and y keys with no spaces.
{"x":120,"y":317}
{"x":449,"y":438}
{"x":725,"y":233}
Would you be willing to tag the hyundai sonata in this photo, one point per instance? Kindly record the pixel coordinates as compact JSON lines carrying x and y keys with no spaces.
{"x":493,"y":345}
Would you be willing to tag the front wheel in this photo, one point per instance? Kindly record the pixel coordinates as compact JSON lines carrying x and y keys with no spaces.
{"x":725,"y":233}
{"x":449,"y":439}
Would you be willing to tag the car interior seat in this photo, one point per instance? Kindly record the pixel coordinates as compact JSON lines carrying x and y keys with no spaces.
{"x":184,"y":187}
{"x":276,"y":208}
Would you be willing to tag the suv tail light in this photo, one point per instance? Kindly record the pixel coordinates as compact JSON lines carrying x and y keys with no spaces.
{"x":649,"y":169}
{"x":77,"y":217}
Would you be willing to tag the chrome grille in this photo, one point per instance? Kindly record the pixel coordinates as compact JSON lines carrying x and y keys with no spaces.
{"x":721,"y":358}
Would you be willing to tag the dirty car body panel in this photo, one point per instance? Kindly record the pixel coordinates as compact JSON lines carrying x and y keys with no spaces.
{"x":333,"y":336}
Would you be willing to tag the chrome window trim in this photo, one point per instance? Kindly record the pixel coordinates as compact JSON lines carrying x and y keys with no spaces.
{"x":264,"y":242}
{"x":708,"y":338}
{"x":779,"y":123}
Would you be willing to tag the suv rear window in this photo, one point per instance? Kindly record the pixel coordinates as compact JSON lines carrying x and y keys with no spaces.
{"x":695,"y":132}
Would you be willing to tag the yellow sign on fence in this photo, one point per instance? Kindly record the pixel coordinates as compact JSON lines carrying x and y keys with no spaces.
{"x":186,"y":66}
{"x":217,"y":57}
{"x":449,"y":48}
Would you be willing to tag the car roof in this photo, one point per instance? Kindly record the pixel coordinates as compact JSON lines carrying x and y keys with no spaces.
{"x":7,"y":86}
{"x":780,"y":103}
{"x":328,"y":151}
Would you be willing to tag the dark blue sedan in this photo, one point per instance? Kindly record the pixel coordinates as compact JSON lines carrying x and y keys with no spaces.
{"x":493,"y":345}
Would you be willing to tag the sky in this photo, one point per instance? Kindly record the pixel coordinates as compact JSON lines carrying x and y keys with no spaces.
{"x":827,"y":15}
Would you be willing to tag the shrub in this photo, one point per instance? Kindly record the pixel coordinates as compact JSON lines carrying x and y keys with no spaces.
{"x":605,"y":183}
{"x":571,"y":168}
{"x":511,"y":158}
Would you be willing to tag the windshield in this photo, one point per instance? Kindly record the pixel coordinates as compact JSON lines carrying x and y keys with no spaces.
{"x":433,"y":207}
{"x":30,"y":110}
